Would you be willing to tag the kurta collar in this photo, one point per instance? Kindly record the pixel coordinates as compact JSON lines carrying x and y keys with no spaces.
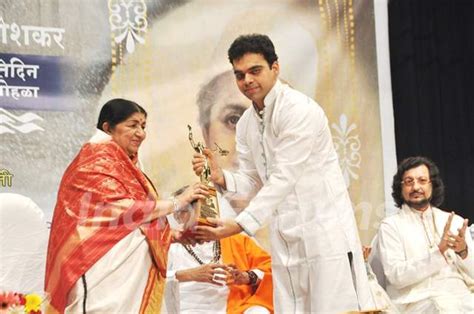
{"x":258,"y":112}
{"x":426,"y":213}
{"x":269,"y":100}
{"x":272,"y":95}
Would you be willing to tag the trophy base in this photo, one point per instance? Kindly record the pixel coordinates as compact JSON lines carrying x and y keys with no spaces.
{"x":207,"y":208}
{"x":202,"y":210}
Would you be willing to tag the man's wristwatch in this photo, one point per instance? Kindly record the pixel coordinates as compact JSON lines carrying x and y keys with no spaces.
{"x":253,"y":278}
{"x":461,"y":253}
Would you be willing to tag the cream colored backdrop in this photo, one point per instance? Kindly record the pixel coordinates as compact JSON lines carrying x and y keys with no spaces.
{"x":326,"y":49}
{"x":160,"y":54}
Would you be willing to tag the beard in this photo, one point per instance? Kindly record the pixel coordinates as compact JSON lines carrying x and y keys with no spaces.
{"x":419,"y":204}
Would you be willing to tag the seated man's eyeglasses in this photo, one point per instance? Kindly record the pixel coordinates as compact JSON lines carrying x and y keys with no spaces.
{"x":409,"y":181}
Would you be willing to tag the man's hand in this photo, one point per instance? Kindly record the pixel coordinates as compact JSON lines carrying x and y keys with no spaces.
{"x":237,"y":277}
{"x":460,"y":245}
{"x":224,"y":228}
{"x":210,"y":273}
{"x":199,"y":160}
{"x":455,"y":242}
{"x":447,"y":240}
{"x":366,"y":252}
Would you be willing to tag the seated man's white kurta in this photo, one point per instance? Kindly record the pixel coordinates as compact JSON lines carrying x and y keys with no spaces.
{"x":427,"y":253}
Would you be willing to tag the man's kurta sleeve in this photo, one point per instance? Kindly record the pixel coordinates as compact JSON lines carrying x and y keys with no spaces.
{"x":246,"y":181}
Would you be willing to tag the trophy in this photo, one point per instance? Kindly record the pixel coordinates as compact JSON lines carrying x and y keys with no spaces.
{"x":209,"y":207}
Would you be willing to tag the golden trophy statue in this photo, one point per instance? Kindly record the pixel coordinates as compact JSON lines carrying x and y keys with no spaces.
{"x":208,"y":208}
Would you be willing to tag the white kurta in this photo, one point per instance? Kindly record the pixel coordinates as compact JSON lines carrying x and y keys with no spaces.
{"x":289,"y":158}
{"x":201,"y":297}
{"x":418,"y":275}
{"x":196,"y":297}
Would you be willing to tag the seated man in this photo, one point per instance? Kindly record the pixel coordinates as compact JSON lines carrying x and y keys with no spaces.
{"x":427,"y":254}
{"x":232,"y":275}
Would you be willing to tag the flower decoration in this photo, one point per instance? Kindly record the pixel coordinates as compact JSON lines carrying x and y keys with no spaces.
{"x":12,"y":302}
{"x":33,"y":303}
{"x":7,"y":300}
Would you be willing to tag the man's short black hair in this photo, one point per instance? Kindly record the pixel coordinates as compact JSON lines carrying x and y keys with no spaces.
{"x":437,"y":196}
{"x":252,"y":43}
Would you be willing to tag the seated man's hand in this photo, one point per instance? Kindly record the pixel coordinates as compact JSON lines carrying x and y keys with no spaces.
{"x":460,"y":246}
{"x":210,"y":273}
{"x":446,"y":239}
{"x":237,"y":277}
{"x":455,"y":242}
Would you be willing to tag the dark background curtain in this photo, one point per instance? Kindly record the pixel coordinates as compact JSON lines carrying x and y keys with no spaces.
{"x":432,"y":65}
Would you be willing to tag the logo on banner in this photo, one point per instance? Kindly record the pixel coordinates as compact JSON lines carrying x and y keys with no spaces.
{"x":347,"y":145}
{"x":10,"y":123}
{"x":5,"y":178}
{"x":128,"y":22}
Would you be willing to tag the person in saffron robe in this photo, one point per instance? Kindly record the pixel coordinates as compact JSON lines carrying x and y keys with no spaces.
{"x":231,"y":275}
{"x":109,"y":237}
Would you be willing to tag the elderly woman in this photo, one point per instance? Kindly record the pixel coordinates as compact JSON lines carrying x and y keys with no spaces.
{"x":109,"y":237}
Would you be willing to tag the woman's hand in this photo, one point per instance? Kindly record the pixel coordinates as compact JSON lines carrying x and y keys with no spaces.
{"x":192,"y":193}
{"x":178,"y":236}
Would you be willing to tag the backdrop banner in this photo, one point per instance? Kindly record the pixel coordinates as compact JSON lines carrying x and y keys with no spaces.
{"x":61,"y":60}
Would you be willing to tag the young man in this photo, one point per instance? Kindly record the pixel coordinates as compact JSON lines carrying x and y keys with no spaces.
{"x":426,"y":253}
{"x":221,"y":105}
{"x":287,"y":157}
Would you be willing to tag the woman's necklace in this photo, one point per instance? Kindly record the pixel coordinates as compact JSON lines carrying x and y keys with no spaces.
{"x":216,"y":249}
